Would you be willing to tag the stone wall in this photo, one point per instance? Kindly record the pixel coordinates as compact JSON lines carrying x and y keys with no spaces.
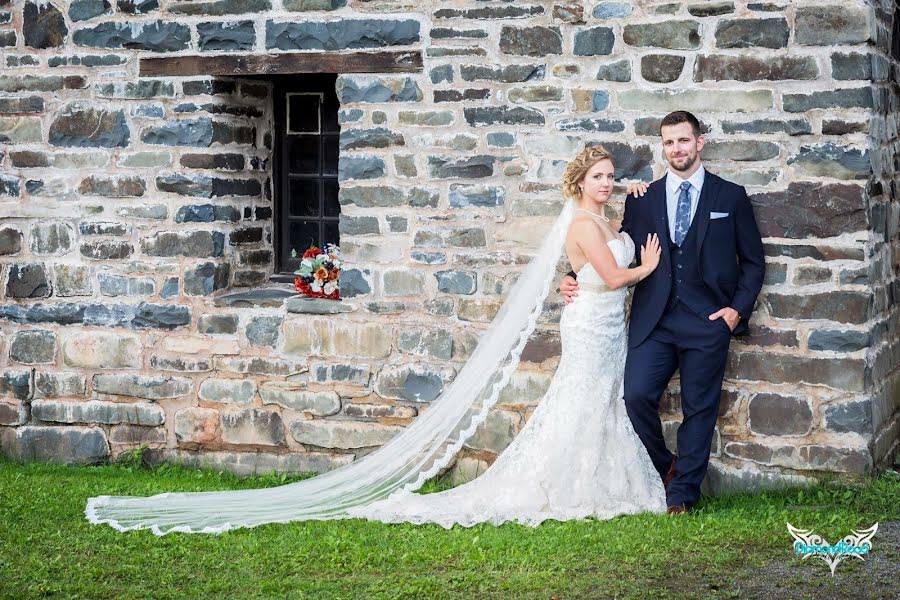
{"x":138,"y":220}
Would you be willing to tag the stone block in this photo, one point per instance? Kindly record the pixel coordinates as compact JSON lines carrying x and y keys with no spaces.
{"x":502,"y":74}
{"x":221,"y":7}
{"x":837,"y":373}
{"x":596,"y":41}
{"x":198,"y":244}
{"x":719,"y":67}
{"x":153,"y":36}
{"x":467,"y":468}
{"x":14,"y":413}
{"x":530,"y":41}
{"x":615,"y":71}
{"x":102,"y":350}
{"x":831,"y":160}
{"x":612,"y":10}
{"x":788,"y":126}
{"x":253,"y":427}
{"x":535,"y":93}
{"x":355,"y":282}
{"x":429,"y":343}
{"x":662,"y":68}
{"x":43,"y":25}
{"x":829,"y":25}
{"x":403,"y":282}
{"x":456,"y":282}
{"x":79,"y":126}
{"x":59,"y":384}
{"x":851,"y":66}
{"x":360,"y":167}
{"x":140,"y":386}
{"x":496,"y":432}
{"x":525,"y":388}
{"x":16,"y":384}
{"x":743,"y":150}
{"x":860,"y":97}
{"x":227,"y":391}
{"x":358,"y":89}
{"x":370,"y":410}
{"x":346,"y":435}
{"x":849,"y":417}
{"x":413,"y":383}
{"x":295,"y":397}
{"x":52,"y":238}
{"x":472,"y":167}
{"x":674,"y":35}
{"x":752,"y":33}
{"x":342,"y":34}
{"x":118,"y":285}
{"x":833,"y":340}
{"x":27,"y":281}
{"x":365,"y":225}
{"x":94,"y":411}
{"x":238,"y":36}
{"x":731,"y":101}
{"x":808,"y":209}
{"x":478,"y":310}
{"x":327,"y":337}
{"x":263,"y":330}
{"x":10,"y":241}
{"x":206,"y":278}
{"x":839,"y":306}
{"x":33,"y":347}
{"x":376,"y":137}
{"x":776,"y":414}
{"x":217,"y":324}
{"x":19,"y":130}
{"x":196,"y":425}
{"x":137,"y":436}
{"x":65,"y":445}
{"x":342,"y":373}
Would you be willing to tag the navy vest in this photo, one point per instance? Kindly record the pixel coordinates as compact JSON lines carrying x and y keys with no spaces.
{"x":687,"y":284}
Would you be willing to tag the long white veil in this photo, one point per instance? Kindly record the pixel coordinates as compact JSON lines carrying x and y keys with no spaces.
{"x":418,"y":453}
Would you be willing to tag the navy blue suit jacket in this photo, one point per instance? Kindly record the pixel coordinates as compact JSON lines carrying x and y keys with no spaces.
{"x":730,"y":252}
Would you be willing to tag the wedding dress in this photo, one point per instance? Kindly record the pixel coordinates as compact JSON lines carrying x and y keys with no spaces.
{"x":577,"y":455}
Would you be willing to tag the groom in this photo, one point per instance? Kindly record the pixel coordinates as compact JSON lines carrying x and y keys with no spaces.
{"x":684,"y":314}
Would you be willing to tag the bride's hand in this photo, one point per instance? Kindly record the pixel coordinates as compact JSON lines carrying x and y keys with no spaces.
{"x":637,"y":189}
{"x":650,"y":252}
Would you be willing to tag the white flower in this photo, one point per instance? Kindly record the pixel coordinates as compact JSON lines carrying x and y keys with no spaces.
{"x":330,"y":287}
{"x":314,"y":286}
{"x":306,"y":263}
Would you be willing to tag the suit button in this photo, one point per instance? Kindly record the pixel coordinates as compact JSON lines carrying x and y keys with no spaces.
{"x":678,"y":280}
{"x":679,"y":266}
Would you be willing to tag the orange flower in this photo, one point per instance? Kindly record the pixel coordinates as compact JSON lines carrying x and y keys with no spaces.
{"x":321,"y":274}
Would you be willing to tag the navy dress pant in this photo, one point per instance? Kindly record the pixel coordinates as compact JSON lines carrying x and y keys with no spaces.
{"x":698,"y":348}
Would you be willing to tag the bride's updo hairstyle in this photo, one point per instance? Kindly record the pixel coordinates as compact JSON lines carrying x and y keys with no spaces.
{"x":578,"y":168}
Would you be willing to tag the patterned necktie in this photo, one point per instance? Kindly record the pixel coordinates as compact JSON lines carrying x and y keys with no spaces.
{"x":683,"y":213}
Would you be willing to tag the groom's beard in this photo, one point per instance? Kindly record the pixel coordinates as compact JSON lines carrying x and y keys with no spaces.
{"x":685,"y":163}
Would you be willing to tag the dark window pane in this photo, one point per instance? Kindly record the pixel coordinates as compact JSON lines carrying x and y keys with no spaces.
{"x":304,"y":197}
{"x":331,"y":233}
{"x":332,"y":205}
{"x":303,"y":113}
{"x":330,"y":151}
{"x":303,"y":234}
{"x":304,"y":155}
{"x":330,"y":114}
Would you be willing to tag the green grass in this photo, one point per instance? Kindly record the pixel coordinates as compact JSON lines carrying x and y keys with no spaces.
{"x":727,"y":548}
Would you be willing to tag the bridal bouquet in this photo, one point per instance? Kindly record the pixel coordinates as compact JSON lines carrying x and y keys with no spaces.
{"x":319,"y":271}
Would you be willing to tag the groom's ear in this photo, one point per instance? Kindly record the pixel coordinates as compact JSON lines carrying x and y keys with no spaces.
{"x":701,"y":141}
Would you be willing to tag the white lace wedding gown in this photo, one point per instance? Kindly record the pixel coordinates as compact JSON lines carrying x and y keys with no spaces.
{"x":578,"y":454}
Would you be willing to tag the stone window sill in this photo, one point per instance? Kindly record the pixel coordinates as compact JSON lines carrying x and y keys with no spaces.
{"x":271,"y":297}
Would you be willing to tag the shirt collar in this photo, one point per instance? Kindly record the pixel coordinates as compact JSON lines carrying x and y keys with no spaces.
{"x":673,"y":181}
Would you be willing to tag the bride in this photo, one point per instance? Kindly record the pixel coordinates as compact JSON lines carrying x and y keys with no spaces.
{"x":577,"y":456}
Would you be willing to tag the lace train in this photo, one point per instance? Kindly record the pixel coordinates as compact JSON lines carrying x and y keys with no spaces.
{"x":578,"y":455}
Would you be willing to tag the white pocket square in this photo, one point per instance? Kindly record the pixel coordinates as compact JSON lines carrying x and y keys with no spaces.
{"x":715,"y":215}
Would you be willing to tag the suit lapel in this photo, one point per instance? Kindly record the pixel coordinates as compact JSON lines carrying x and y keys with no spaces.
{"x":707,"y":194}
{"x":661,"y":216}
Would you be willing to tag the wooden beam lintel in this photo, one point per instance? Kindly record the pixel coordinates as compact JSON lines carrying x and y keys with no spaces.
{"x":405,"y":61}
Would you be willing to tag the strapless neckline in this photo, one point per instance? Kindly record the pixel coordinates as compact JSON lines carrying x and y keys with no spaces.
{"x":621,"y":240}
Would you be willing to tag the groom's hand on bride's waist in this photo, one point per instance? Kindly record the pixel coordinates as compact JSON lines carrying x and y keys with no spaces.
{"x":568,"y":287}
{"x":727,"y":314}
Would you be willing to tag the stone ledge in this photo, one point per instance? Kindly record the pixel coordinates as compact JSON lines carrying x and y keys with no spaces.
{"x":316,"y":306}
{"x":259,"y":298}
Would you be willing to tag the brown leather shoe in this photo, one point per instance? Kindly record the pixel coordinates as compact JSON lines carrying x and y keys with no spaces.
{"x":676,"y":509}
{"x":670,"y":475}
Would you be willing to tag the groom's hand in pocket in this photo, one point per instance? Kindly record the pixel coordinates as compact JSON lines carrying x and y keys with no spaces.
{"x":568,"y":288}
{"x":727,"y":314}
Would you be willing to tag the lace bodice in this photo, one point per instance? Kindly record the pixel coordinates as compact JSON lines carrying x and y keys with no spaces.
{"x":622,"y":250}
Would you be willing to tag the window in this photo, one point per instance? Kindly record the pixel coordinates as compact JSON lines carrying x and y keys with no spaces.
{"x":895,"y":35}
{"x":305,"y":166}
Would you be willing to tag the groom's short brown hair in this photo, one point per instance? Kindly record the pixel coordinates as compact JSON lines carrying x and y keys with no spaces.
{"x":681,"y":116}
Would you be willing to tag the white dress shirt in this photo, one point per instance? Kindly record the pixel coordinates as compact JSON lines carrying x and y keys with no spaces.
{"x":673,"y":182}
